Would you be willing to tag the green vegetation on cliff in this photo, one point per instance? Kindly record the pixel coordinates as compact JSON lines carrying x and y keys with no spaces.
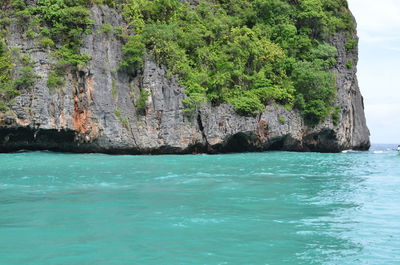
{"x":12,"y":82}
{"x":57,"y":24}
{"x":7,"y":90}
{"x":248,"y":53}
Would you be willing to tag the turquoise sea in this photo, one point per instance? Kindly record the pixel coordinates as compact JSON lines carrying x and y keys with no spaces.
{"x":255,"y":208}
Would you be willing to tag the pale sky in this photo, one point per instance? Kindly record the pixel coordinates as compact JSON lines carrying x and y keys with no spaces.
{"x":379,"y":66}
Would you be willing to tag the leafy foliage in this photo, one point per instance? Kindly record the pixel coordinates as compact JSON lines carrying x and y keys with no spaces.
{"x":336,"y":115}
{"x":122,"y":120}
{"x":133,"y":51}
{"x":13,"y":80}
{"x":59,"y":25}
{"x":7,"y":88}
{"x":281,"y":120}
{"x":144,"y":94}
{"x":63,"y":22}
{"x":349,"y":64}
{"x":351,"y":44}
{"x":248,"y":53}
{"x":55,"y":81}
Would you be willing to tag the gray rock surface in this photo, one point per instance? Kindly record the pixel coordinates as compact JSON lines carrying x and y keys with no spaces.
{"x":97,"y":109}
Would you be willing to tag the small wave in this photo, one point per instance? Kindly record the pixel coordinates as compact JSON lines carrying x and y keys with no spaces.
{"x":305,"y":233}
{"x":229,"y":186}
{"x":105,"y":184}
{"x":22,"y":151}
{"x":379,"y":152}
{"x":101,"y":185}
{"x":350,"y":151}
{"x":206,"y":221}
{"x":168,"y":177}
{"x":190,"y":180}
{"x":179,"y":225}
{"x":5,"y":185}
{"x":203,"y":174}
{"x":262,"y":174}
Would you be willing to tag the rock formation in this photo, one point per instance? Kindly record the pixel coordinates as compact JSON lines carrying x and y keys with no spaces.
{"x":95,"y":112}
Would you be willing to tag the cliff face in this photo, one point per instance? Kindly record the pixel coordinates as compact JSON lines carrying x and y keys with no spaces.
{"x":95,"y":112}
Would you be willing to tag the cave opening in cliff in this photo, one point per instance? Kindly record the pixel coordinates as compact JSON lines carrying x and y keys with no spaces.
{"x":277,"y":145}
{"x":240,"y":142}
{"x":26,"y":138}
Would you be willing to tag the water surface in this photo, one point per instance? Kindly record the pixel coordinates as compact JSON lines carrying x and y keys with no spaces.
{"x":257,"y":208}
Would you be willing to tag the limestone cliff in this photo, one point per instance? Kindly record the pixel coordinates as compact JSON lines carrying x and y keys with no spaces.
{"x":95,"y":112}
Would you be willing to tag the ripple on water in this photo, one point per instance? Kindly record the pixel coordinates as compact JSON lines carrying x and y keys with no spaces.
{"x":263,"y":208}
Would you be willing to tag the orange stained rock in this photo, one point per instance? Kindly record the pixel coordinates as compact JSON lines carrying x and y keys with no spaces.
{"x":80,"y":120}
{"x":90,"y":86}
{"x":262,"y":130}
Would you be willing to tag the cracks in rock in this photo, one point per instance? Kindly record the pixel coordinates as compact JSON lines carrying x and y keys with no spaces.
{"x":201,"y":127}
{"x":354,"y":125}
{"x":133,"y":136}
{"x":35,"y":132}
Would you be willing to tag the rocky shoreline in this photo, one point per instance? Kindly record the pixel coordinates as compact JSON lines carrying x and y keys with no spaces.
{"x":96,"y":112}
